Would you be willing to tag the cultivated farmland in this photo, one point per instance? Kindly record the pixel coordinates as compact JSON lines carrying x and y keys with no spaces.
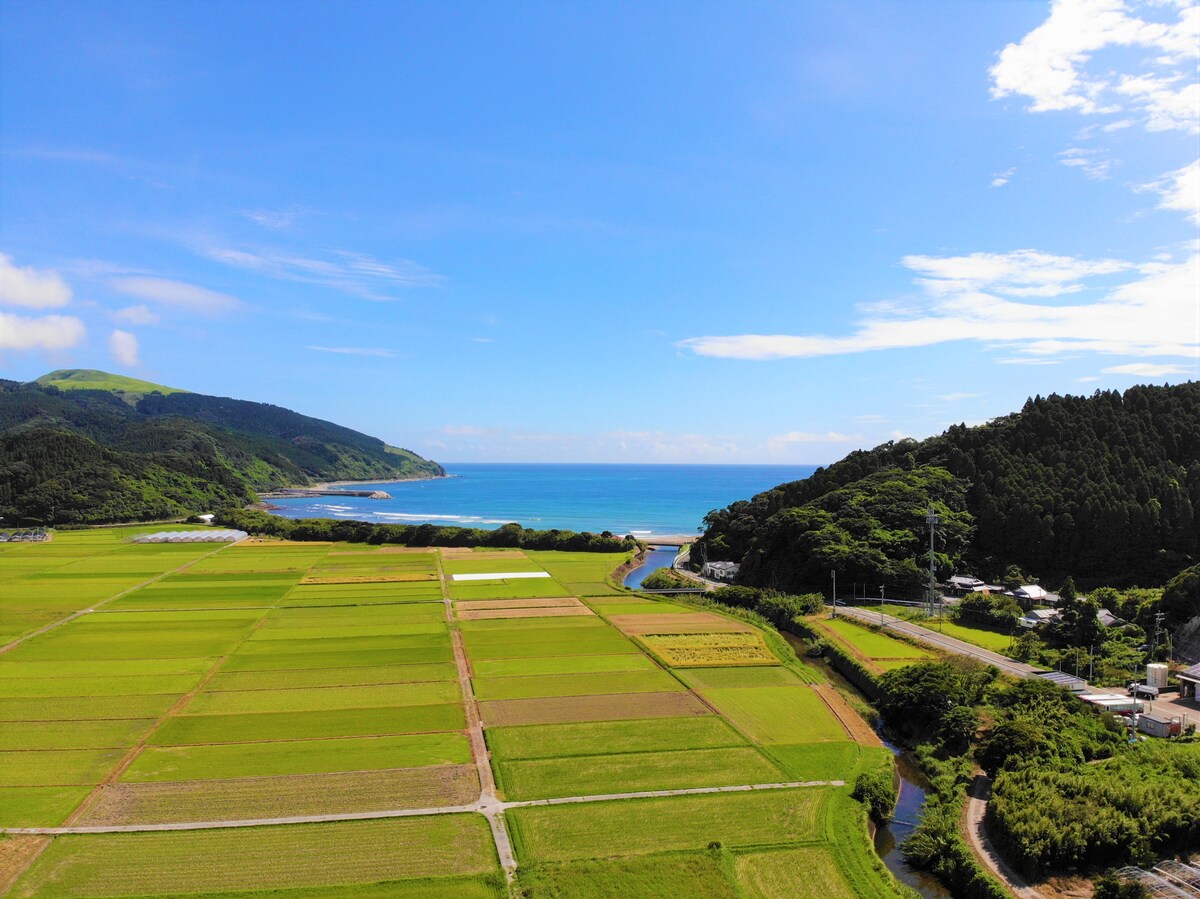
{"x":253,"y":690}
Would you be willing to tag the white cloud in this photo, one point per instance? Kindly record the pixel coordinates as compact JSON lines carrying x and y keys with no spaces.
{"x":984,"y":297}
{"x":137,"y":315}
{"x":178,"y":295}
{"x":955,"y":397}
{"x":1055,"y":65}
{"x":1087,"y":379}
{"x":1002,"y":178}
{"x":354,"y":350}
{"x":781,"y":442}
{"x":124,"y":348}
{"x":1180,"y":191}
{"x":31,"y":288}
{"x":50,"y":332}
{"x":482,"y":340}
{"x":1149,"y":370}
{"x":352,"y":273}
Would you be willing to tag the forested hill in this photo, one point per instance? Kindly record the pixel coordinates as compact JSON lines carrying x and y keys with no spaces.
{"x":1105,"y":488}
{"x":130,"y":451}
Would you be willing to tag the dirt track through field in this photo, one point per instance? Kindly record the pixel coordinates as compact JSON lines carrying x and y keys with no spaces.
{"x":860,"y":732}
{"x":493,"y":808}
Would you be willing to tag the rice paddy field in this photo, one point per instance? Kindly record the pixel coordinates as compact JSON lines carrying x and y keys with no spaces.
{"x":309,"y":720}
{"x":875,"y":649}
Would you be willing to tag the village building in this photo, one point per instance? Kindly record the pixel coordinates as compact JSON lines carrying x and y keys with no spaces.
{"x":720,"y":571}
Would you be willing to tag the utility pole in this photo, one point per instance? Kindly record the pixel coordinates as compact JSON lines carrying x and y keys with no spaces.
{"x":880,"y":604}
{"x":833,"y":573}
{"x":1159,"y":617}
{"x":932,"y":519}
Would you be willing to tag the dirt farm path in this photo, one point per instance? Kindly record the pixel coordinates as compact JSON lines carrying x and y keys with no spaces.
{"x":495,"y":806}
{"x":981,"y":844}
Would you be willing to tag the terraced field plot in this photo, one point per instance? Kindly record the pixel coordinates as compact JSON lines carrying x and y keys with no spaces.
{"x":277,"y":680}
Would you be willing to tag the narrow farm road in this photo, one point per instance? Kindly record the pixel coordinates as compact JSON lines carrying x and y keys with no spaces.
{"x":494,"y":807}
{"x":938,"y":641}
{"x":981,"y":844}
{"x":8,"y":647}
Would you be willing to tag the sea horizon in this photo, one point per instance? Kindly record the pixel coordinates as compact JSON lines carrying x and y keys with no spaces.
{"x":622,"y":497}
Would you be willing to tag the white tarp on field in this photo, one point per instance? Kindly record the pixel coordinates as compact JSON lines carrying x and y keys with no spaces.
{"x":499,"y":576}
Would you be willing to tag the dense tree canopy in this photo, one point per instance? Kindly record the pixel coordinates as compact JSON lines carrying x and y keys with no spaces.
{"x":1105,"y":487}
{"x":71,"y":456}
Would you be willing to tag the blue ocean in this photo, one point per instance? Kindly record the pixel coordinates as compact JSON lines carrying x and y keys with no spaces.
{"x":624,"y":499}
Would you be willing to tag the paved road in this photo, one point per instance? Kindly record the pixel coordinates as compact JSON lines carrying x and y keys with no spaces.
{"x":939,"y":641}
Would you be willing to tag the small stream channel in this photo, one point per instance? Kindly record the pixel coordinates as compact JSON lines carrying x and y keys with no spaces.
{"x":908,"y":813}
{"x":657,"y":557}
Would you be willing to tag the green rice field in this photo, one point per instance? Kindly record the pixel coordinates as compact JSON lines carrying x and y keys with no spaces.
{"x":248,"y":682}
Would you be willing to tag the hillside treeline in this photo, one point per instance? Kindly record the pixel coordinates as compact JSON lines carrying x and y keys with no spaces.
{"x":89,"y":456}
{"x":1105,"y":487}
{"x":509,"y":536}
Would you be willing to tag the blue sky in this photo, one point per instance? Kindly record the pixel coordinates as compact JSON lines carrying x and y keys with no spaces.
{"x":645,"y":232}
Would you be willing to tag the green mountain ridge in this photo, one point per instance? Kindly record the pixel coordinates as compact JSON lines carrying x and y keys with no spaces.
{"x":1105,"y":488}
{"x":106,"y":449}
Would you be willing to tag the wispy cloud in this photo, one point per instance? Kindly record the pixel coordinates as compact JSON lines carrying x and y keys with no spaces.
{"x":357,"y":274}
{"x":1055,"y":65}
{"x":1094,"y":163}
{"x":1149,"y":370}
{"x":137,"y":315}
{"x":354,"y":351}
{"x":124,"y":348}
{"x":31,"y":288}
{"x":985,"y":297}
{"x":955,"y":397}
{"x":482,"y":340}
{"x":177,"y":294}
{"x":1002,"y":178}
{"x":275,"y":219}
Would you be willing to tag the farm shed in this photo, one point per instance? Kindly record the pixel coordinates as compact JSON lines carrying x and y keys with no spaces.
{"x":1189,"y":680}
{"x":1110,"y":702}
{"x":1159,"y":725}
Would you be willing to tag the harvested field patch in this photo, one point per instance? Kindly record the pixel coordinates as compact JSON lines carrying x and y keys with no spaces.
{"x":624,"y":606}
{"x":709,"y":650}
{"x":287,"y":796}
{"x":858,"y":729}
{"x":541,"y":741}
{"x":643,"y":826}
{"x":678,"y":623}
{"x":697,"y":875}
{"x":777,"y":714}
{"x":543,"y":612}
{"x":630,"y":661}
{"x":16,"y":852}
{"x":635,"y":771}
{"x":529,"y":687}
{"x":267,"y":726}
{"x":314,"y":699}
{"x":562,"y":710}
{"x":802,"y":872}
{"x":160,"y":763}
{"x":403,"y":577}
{"x":544,"y":602}
{"x":346,"y":852}
{"x":330,"y":677}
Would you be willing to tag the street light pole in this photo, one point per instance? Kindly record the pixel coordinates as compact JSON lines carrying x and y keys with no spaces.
{"x":932,"y":519}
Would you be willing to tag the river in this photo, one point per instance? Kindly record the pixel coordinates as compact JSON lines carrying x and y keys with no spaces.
{"x":657,"y":557}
